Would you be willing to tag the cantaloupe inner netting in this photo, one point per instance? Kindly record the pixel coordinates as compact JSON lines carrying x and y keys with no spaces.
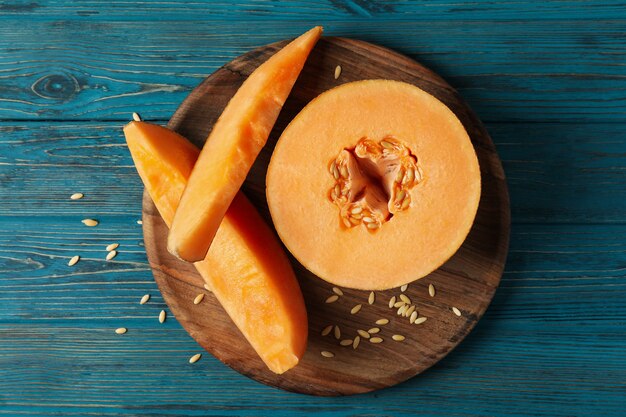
{"x":372,"y":182}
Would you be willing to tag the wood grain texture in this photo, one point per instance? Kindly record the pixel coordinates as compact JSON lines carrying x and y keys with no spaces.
{"x":325,"y":9}
{"x":43,"y":163}
{"x":553,"y":337}
{"x":512,"y":62}
{"x":467,"y":281}
{"x":547,"y":77}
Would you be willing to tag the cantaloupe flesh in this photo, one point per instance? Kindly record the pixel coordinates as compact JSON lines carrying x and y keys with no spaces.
{"x":246,"y":268}
{"x":232,"y":146}
{"x":415,"y":241}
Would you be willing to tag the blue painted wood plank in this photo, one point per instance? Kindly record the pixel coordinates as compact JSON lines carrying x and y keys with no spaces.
{"x":415,"y":10}
{"x":556,"y":173}
{"x":552,"y":343}
{"x":510,"y":66}
{"x":547,"y":76}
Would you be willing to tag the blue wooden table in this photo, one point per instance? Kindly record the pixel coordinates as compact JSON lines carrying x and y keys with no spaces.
{"x":549,"y":80}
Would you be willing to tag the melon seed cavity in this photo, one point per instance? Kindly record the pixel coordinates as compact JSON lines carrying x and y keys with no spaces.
{"x":372,"y":182}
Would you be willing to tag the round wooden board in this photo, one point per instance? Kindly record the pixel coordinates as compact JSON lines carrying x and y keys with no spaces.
{"x":467,"y":281}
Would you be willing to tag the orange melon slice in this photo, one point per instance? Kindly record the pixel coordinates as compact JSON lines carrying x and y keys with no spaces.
{"x":246,"y":268}
{"x":373,"y":185}
{"x":233,"y":145}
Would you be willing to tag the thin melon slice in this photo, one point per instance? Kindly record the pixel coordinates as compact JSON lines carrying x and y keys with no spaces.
{"x":233,"y":145}
{"x":373,"y":185}
{"x":246,"y":268}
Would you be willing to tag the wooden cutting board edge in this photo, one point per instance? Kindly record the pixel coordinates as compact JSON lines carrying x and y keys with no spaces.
{"x":476,"y":268}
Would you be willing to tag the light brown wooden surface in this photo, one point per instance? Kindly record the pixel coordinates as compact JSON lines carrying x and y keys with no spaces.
{"x":467,"y":281}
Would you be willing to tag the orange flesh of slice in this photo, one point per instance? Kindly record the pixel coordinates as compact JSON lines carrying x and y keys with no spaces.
{"x":246,"y":268}
{"x":232,"y":146}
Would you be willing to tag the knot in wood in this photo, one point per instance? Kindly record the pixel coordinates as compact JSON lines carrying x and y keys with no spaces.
{"x":61,"y":86}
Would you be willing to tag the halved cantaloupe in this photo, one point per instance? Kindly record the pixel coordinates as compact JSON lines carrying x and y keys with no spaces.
{"x":373,"y":185}
{"x":246,"y":268}
{"x":232,"y":146}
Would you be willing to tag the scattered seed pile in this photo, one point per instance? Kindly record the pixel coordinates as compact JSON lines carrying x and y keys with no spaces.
{"x":112,"y":252}
{"x":401,"y":303}
{"x":111,"y":249}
